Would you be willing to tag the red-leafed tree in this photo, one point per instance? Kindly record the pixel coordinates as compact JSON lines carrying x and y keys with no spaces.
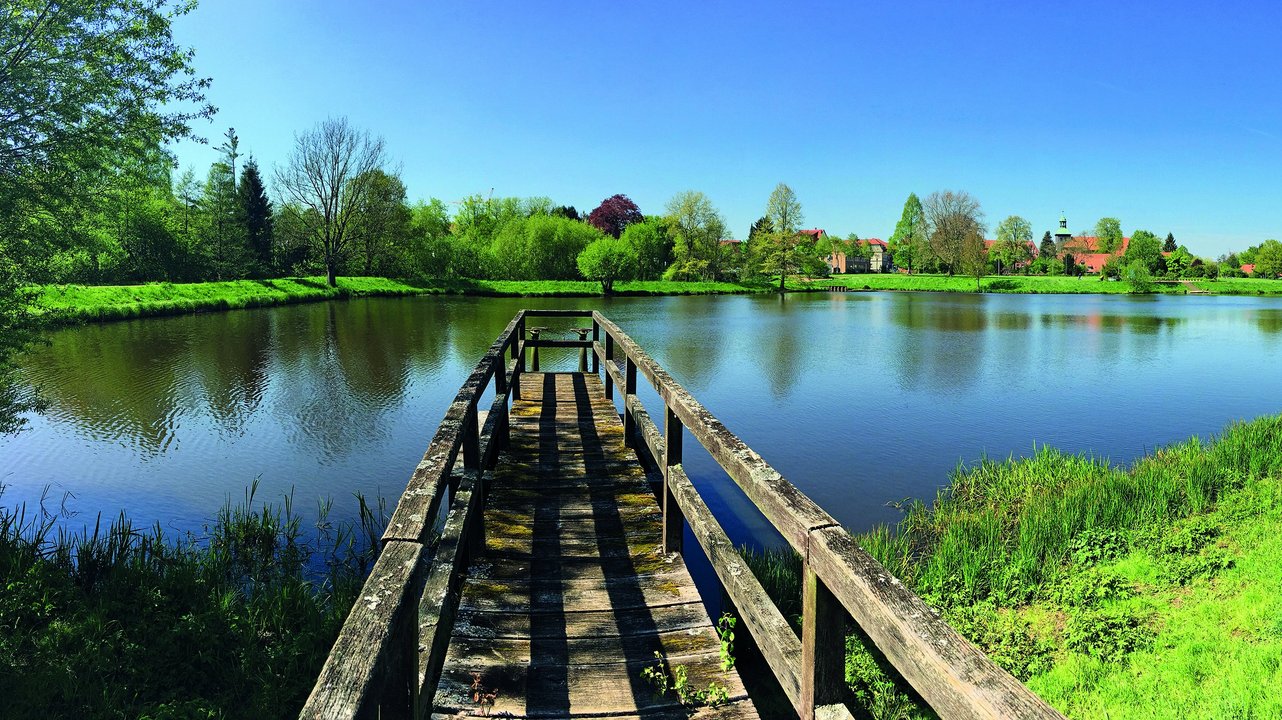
{"x":614,"y":214}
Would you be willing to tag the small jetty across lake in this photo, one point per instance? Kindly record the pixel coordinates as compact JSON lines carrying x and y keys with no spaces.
{"x":534,"y":568}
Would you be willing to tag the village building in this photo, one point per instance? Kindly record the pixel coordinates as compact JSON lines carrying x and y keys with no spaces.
{"x":880,"y":260}
{"x":1086,"y":250}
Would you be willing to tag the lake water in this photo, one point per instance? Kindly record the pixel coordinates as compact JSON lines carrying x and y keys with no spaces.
{"x":860,"y":399}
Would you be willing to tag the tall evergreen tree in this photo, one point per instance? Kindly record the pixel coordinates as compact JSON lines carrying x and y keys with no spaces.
{"x":1047,"y":249}
{"x":1169,"y":245}
{"x":908,"y":244}
{"x":256,"y":215}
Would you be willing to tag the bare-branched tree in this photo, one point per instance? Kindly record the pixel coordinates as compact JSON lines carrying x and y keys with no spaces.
{"x":331,"y":173}
{"x":954,"y":221}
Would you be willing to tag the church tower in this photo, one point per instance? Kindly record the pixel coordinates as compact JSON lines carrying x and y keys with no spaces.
{"x":1062,"y":235}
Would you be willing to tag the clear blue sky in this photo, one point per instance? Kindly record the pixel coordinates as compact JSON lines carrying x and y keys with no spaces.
{"x":1168,"y":116}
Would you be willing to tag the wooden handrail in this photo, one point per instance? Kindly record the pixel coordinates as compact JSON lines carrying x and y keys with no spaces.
{"x":840,"y":579}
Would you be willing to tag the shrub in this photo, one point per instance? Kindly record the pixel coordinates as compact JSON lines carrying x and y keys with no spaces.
{"x":608,"y":259}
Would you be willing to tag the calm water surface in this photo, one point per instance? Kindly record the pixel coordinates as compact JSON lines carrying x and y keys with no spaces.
{"x":860,"y":399}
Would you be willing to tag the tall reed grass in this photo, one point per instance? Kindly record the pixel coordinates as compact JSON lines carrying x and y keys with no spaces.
{"x":120,"y":621}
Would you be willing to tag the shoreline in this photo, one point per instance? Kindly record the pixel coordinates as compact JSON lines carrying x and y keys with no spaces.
{"x":75,"y":304}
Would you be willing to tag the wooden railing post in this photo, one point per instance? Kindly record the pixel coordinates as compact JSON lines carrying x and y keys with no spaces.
{"x":596,"y":337}
{"x":471,"y":438}
{"x":673,"y":519}
{"x":518,"y":354}
{"x":583,"y":351}
{"x":609,"y":357}
{"x":823,"y":645}
{"x":534,"y":364}
{"x":629,"y":392}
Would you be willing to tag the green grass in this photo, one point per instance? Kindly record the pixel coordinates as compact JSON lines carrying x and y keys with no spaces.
{"x":126,"y":622}
{"x":1153,"y":590}
{"x":80,"y":303}
{"x":1020,"y":284}
{"x":1241,"y":286}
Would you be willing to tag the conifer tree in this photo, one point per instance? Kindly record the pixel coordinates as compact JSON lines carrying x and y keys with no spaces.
{"x":1169,"y":245}
{"x":256,"y":215}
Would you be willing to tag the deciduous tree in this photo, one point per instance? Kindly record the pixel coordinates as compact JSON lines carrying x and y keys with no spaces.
{"x":1108,"y":234}
{"x":786,"y":249}
{"x":696,"y":228}
{"x":653,"y":245}
{"x":382,"y":223}
{"x":329,"y":172}
{"x":908,"y":244}
{"x":83,"y":83}
{"x":1268,"y":259}
{"x":608,"y":260}
{"x":1013,"y":245}
{"x":952,"y":218}
{"x":1146,"y":248}
{"x":614,"y":214}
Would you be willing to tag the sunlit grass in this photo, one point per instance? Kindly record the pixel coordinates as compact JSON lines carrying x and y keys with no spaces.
{"x":1153,"y":590}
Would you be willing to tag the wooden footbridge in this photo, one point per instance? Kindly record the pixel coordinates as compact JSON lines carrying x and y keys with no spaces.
{"x":533,"y":567}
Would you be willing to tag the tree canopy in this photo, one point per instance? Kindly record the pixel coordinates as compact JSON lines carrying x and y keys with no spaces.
{"x":1108,"y":234}
{"x":908,"y":243}
{"x":615,"y":214}
{"x":955,"y":221}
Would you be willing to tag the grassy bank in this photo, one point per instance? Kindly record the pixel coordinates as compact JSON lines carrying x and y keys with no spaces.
{"x":81,"y":303}
{"x":121,"y":621}
{"x":1024,"y":284}
{"x":1148,"y":591}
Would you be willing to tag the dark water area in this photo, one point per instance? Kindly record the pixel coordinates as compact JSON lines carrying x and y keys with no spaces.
{"x":860,"y":399}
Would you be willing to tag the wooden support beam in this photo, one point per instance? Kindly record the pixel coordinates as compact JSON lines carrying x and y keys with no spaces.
{"x":596,"y":343}
{"x":673,"y":518}
{"x":629,"y":393}
{"x":823,"y":645}
{"x":609,"y":360}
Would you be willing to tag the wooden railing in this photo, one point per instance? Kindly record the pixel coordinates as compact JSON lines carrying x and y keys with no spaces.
{"x":840,"y":579}
{"x":388,"y":656}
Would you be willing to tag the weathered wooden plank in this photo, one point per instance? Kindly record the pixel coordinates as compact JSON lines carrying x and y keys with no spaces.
{"x":768,"y":627}
{"x":366,"y":657}
{"x":734,"y":710}
{"x":559,"y":343}
{"x":556,"y":312}
{"x":643,"y":591}
{"x":581,"y":623}
{"x":948,"y":672}
{"x":555,"y":690}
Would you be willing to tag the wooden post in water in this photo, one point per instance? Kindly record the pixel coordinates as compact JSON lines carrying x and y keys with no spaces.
{"x":823,"y":645}
{"x":583,"y":351}
{"x":673,"y":519}
{"x":534,"y":365}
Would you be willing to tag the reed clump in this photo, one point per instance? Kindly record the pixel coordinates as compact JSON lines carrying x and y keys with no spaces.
{"x":121,"y":621}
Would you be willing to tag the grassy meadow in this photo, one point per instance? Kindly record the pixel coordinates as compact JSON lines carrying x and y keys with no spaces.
{"x":1149,"y":591}
{"x":81,"y":303}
